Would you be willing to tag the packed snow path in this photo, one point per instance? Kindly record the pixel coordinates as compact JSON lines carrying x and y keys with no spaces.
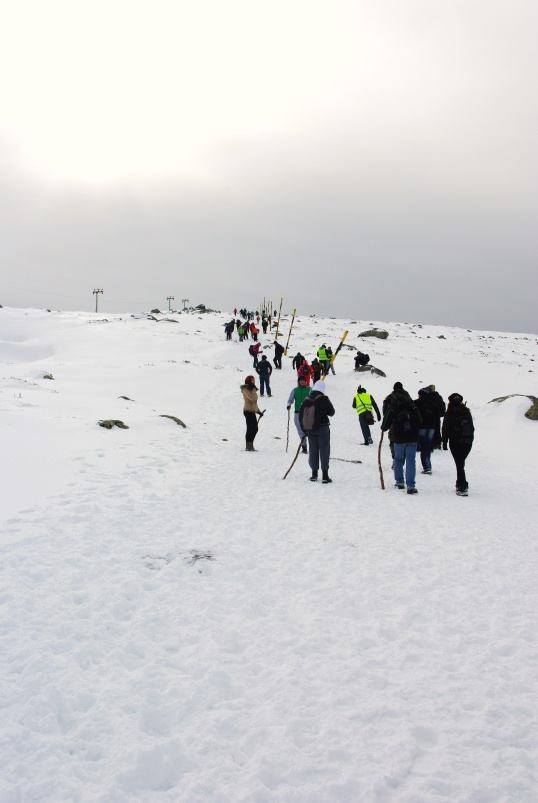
{"x":178,"y":624}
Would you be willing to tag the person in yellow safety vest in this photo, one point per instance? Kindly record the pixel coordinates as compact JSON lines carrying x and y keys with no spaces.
{"x":323,"y":357}
{"x":363,"y":403}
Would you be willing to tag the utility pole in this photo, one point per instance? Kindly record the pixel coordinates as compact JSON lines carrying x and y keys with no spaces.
{"x":185,"y":301}
{"x":169,"y":299}
{"x":96,"y":294}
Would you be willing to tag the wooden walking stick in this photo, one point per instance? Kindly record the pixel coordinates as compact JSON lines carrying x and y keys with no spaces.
{"x":289,"y":333}
{"x":288,"y":431}
{"x":381,"y":479}
{"x":294,"y":460}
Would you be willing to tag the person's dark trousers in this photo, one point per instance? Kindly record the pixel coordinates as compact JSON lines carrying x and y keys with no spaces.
{"x":460,"y":451}
{"x":264,"y":384}
{"x":319,"y":448}
{"x":255,"y":363}
{"x":252,"y":426}
{"x":437,"y":440}
{"x":425,"y":441}
{"x":278,"y":362}
{"x":366,"y":434}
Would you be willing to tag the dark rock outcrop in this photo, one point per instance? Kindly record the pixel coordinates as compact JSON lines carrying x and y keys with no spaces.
{"x":382,"y":334}
{"x":177,"y":420}
{"x":108,"y":423}
{"x":532,"y":412}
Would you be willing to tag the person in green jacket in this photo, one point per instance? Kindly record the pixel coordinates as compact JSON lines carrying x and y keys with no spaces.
{"x":363,"y":403}
{"x":297,"y":397}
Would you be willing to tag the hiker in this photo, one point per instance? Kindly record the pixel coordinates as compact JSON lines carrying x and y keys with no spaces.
{"x":458,"y":434}
{"x":404,"y":420}
{"x":398,"y":387}
{"x":264,"y":324}
{"x":314,"y":416}
{"x":305,"y":371}
{"x":297,"y":396}
{"x":229,"y":329}
{"x":235,"y":312}
{"x":330,"y":360}
{"x":241,"y":332}
{"x":279,"y":351}
{"x":441,"y":409}
{"x":321,"y":354}
{"x":264,"y":370}
{"x":363,"y":403}
{"x":254,"y":351}
{"x":316,"y":369}
{"x":254,"y":331}
{"x":361,"y":360}
{"x":250,"y":411}
{"x":428,"y":409}
{"x":297,"y":361}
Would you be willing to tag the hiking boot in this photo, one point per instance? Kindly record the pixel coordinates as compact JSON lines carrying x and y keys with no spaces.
{"x":314,"y":477}
{"x":250,"y":447}
{"x":426,"y":471}
{"x":326,"y":479}
{"x":399,"y":485}
{"x":462,"y":493}
{"x":370,"y":441}
{"x":412,"y":491}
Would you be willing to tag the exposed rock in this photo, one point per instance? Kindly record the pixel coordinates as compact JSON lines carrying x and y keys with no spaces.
{"x":126,"y":398}
{"x":174,"y":418}
{"x":48,"y":376}
{"x":156,"y":311}
{"x":441,"y":337}
{"x":532,"y":412}
{"x":382,"y":334}
{"x":370,"y":368}
{"x":151,"y":317}
{"x":108,"y":423}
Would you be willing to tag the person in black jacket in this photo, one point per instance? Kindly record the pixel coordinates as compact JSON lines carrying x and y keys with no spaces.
{"x":458,"y":433}
{"x":404,"y":421}
{"x":316,"y":410}
{"x":316,"y":369}
{"x":386,"y":405}
{"x":441,"y":409}
{"x":297,"y":361}
{"x":428,"y":408}
{"x":279,"y":351}
{"x":264,"y":369}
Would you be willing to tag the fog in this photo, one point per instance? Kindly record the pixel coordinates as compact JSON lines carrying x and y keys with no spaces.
{"x":370,"y":163}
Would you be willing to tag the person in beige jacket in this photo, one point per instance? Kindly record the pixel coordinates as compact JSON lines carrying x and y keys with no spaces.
{"x":250,"y":410}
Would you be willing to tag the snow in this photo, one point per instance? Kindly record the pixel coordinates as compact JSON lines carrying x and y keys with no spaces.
{"x":179,"y":624}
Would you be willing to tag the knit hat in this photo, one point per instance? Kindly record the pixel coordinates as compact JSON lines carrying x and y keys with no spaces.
{"x":398,"y":386}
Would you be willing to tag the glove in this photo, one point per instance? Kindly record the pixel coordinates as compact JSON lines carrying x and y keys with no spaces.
{"x":445,"y":447}
{"x":288,"y":407}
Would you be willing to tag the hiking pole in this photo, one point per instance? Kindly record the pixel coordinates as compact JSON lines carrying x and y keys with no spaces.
{"x":379,"y":462}
{"x":288,"y":431}
{"x":294,"y":460}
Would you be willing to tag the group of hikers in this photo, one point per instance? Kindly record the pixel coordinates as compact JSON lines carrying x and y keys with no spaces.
{"x":421,"y":425}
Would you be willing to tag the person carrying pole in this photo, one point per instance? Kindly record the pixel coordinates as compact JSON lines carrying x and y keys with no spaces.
{"x":314,"y":418}
{"x":296,"y":398}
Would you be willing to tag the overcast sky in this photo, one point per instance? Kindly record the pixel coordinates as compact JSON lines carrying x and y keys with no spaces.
{"x":367,"y":159}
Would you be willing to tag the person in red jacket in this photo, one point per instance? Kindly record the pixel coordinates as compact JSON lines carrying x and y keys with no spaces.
{"x":305,"y":372}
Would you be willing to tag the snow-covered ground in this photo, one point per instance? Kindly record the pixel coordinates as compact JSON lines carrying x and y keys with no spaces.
{"x":179,"y":624}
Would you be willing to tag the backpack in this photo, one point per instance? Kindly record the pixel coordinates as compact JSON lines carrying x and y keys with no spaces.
{"x":403,"y":423}
{"x":304,"y":371}
{"x":308,"y":422}
{"x":463,"y":428}
{"x":251,"y":351}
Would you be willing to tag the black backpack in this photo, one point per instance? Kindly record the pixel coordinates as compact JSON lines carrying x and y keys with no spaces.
{"x":251,"y":351}
{"x":463,"y":427}
{"x":403,"y":421}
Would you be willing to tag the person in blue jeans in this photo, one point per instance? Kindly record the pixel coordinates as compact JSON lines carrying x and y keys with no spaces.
{"x":426,"y":404}
{"x":404,"y":421}
{"x":264,"y":370}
